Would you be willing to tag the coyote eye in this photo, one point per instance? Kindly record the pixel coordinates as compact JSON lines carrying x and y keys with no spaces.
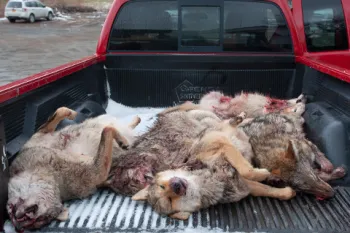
{"x":162,"y":186}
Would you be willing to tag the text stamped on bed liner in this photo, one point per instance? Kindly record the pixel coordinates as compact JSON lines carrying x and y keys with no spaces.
{"x":186,"y":91}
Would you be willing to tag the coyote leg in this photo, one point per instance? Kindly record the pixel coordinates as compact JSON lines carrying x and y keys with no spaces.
{"x":261,"y":190}
{"x":323,"y":162}
{"x":135,"y":122}
{"x":103,"y":160}
{"x":337,"y":173}
{"x":187,"y":106}
{"x":96,"y":172}
{"x":52,"y":122}
{"x":321,"y":159}
{"x":201,"y":115}
{"x":120,"y":139}
{"x":244,"y":168}
{"x":215,"y":144}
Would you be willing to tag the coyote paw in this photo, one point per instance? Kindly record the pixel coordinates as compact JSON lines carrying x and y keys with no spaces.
{"x":64,"y":112}
{"x":122,"y":142}
{"x":325,"y":165}
{"x":256,"y":174}
{"x":243,"y":115}
{"x":339,"y":172}
{"x":135,"y":122}
{"x":286,"y":193}
{"x":301,"y":99}
{"x":263,"y":174}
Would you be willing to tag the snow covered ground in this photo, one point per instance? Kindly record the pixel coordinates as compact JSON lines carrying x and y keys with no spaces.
{"x":125,"y":115}
{"x":61,"y":16}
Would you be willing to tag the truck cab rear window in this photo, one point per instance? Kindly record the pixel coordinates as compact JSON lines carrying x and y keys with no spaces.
{"x":324,"y":24}
{"x":146,"y":26}
{"x":256,"y":27}
{"x":163,"y":26}
{"x":200,"y":26}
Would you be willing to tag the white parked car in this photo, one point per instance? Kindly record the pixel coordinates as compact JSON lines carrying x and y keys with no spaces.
{"x":29,"y":10}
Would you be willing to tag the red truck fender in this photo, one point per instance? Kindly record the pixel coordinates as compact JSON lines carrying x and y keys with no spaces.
{"x":334,"y":63}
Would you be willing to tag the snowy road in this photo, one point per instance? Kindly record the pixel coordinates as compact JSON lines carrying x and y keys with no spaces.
{"x":27,"y":49}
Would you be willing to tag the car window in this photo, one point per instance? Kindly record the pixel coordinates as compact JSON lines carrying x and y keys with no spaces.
{"x":35,"y":4}
{"x":168,"y":26}
{"x":324,"y":24}
{"x":256,"y":27}
{"x":29,"y":4}
{"x":39,"y":4}
{"x":200,"y":26}
{"x":146,"y":26}
{"x":14,"y":5}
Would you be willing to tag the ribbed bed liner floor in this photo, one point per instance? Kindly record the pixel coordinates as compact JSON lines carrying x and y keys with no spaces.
{"x":108,"y":212}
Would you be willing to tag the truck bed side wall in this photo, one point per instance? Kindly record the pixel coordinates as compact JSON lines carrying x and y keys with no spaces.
{"x":24,"y":114}
{"x":328,"y":116}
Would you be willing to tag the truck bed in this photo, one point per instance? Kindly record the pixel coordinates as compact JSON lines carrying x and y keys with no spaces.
{"x":107,"y":212}
{"x":138,"y":81}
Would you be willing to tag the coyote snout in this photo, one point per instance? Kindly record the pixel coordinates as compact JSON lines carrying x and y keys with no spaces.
{"x":309,"y":182}
{"x":178,"y":186}
{"x":32,"y":205}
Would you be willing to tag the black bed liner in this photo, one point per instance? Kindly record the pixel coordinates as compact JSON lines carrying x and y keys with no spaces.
{"x":108,"y":212}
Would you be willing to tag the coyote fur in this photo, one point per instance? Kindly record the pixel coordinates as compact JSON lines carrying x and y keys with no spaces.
{"x":253,"y":104}
{"x":185,"y":162}
{"x":55,"y":166}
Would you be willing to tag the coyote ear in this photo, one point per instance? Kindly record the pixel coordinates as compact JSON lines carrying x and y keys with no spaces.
{"x":181,"y":215}
{"x":290,"y":153}
{"x":64,"y":215}
{"x":141,"y":195}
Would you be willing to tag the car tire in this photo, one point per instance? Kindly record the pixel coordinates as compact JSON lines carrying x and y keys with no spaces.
{"x":12,"y":20}
{"x":31,"y":18}
{"x":49,"y":16}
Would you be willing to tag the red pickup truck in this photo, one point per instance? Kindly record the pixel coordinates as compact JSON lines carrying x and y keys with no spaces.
{"x":156,"y":53}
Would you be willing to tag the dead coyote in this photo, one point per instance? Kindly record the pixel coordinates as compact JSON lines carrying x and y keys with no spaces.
{"x":185,"y":162}
{"x":56,"y":166}
{"x":280,"y":145}
{"x":276,"y":141}
{"x":253,"y":104}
